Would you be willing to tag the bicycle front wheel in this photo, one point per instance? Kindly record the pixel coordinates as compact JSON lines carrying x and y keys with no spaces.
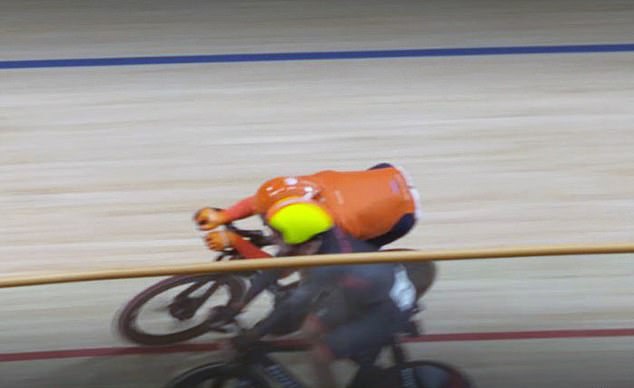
{"x":426,"y":374}
{"x":218,"y":375}
{"x":177,"y":309}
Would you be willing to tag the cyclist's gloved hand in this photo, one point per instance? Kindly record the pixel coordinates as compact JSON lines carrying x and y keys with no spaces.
{"x":219,"y":240}
{"x":208,"y":218}
{"x":245,"y":340}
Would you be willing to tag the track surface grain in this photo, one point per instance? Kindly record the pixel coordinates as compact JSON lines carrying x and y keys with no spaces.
{"x":103,"y":167}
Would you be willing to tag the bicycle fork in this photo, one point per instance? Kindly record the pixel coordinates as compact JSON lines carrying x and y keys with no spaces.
{"x":408,"y":378}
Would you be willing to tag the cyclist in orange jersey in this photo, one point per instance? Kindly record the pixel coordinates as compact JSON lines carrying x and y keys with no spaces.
{"x":379,"y":205}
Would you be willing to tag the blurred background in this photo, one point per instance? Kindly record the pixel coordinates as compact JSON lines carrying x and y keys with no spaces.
{"x":103,"y":166}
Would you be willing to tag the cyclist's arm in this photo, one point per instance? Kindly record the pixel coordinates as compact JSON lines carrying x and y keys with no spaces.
{"x":302,"y":296}
{"x":260,"y":282}
{"x":241,"y":209}
{"x":247,"y":249}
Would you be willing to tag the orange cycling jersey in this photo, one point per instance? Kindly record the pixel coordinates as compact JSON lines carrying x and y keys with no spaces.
{"x":365,"y":204}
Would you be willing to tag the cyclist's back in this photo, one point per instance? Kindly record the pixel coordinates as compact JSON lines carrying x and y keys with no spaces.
{"x":361,"y":284}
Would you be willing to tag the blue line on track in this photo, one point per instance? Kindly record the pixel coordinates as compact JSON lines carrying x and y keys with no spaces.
{"x":316,"y":55}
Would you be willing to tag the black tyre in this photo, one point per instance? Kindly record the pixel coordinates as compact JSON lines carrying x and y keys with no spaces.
{"x":177,"y":309}
{"x":426,"y":374}
{"x":218,"y":375}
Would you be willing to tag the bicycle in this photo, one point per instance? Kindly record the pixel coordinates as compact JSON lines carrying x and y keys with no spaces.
{"x":254,"y":368}
{"x":183,"y":316}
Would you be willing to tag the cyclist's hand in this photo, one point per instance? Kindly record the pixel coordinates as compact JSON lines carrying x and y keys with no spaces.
{"x":219,"y":240}
{"x":208,"y":218}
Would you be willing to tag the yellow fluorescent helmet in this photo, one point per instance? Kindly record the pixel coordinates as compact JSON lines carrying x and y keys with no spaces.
{"x":300,"y":221}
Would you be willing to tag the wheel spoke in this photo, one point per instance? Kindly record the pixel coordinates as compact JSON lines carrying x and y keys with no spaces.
{"x":194,"y":287}
{"x":196,"y":301}
{"x":200,"y":300}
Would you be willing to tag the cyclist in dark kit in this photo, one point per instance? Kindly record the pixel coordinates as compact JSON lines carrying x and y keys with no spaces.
{"x":348,"y":311}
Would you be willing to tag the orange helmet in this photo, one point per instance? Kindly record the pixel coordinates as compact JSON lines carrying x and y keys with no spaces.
{"x":280,"y":188}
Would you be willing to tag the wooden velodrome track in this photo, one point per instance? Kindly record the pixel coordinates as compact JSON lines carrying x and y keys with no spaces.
{"x":102,"y":167}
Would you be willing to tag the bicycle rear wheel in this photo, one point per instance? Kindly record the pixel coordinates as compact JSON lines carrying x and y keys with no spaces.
{"x":217,"y":375}
{"x":426,"y":374}
{"x":177,"y":309}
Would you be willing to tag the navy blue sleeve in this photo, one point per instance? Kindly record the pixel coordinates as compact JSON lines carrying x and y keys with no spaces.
{"x":304,"y":295}
{"x":260,"y":282}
